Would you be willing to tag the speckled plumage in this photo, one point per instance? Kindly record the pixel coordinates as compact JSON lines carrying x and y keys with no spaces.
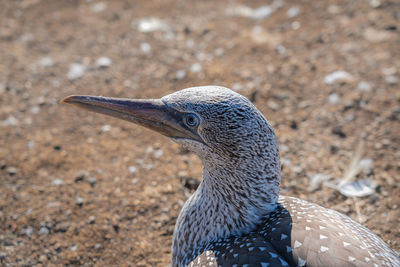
{"x":236,"y":216}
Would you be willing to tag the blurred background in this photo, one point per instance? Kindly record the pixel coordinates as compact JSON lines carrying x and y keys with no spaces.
{"x":78,"y":188}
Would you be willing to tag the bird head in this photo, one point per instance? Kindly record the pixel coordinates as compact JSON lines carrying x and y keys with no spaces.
{"x":209,"y":120}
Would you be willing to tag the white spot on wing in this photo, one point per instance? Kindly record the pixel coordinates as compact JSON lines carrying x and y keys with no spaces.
{"x":323,"y":249}
{"x":297,"y":244}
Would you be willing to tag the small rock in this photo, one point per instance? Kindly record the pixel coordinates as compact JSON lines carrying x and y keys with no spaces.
{"x":145,"y":47}
{"x":135,"y":180}
{"x":28,"y":231}
{"x":46,"y":62}
{"x":196,"y":67}
{"x":43,"y":230}
{"x":34,"y":110}
{"x":376,"y":36}
{"x":92,"y":180}
{"x":151,"y":24}
{"x":74,"y":247}
{"x":262,"y":12}
{"x":158,"y":153}
{"x":273,"y":105}
{"x":30,"y":144}
{"x":80,"y":176}
{"x":316,"y":181}
{"x":79,"y":201}
{"x":97,"y":246}
{"x":106,"y":128}
{"x":10,"y":121}
{"x":366,"y":165}
{"x":375,"y":3}
{"x":333,"y":77}
{"x":334,"y":98}
{"x":132,"y":169}
{"x":76,"y":71}
{"x":57,"y":182}
{"x":295,"y":25}
{"x":293,"y":12}
{"x":237,"y":87}
{"x":103,"y":62}
{"x":180,"y":74}
{"x":61,"y":227}
{"x":364,"y":86}
{"x":3,"y":255}
{"x":98,"y":7}
{"x":391,"y":79}
{"x":338,"y":130}
{"x":91,"y":220}
{"x":12,"y":171}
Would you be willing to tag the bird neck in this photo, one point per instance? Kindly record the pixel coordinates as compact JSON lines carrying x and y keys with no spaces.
{"x":230,"y":200}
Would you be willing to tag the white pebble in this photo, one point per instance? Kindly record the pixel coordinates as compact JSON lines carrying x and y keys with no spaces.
{"x":158,"y":153}
{"x":335,"y":76}
{"x":391,"y":79}
{"x":57,"y":182}
{"x":261,"y":12}
{"x":196,"y":67}
{"x":34,"y":109}
{"x":366,"y":165}
{"x":180,"y":74}
{"x":334,"y":98}
{"x":76,"y":71}
{"x":98,"y":7}
{"x":43,"y":231}
{"x":28,"y":231}
{"x":237,"y":87}
{"x":151,"y":25}
{"x":103,"y":62}
{"x":132,"y":169}
{"x":293,"y":12}
{"x":10,"y":121}
{"x":74,"y":247}
{"x":106,"y":128}
{"x":145,"y":47}
{"x":364,"y":86}
{"x":46,"y":62}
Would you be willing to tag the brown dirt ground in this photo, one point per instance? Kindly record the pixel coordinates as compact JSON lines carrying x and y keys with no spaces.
{"x":67,"y":196}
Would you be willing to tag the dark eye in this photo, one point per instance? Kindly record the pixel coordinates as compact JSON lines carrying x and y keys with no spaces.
{"x":191,"y":120}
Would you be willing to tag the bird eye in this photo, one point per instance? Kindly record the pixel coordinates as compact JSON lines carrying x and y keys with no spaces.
{"x":191,"y":120}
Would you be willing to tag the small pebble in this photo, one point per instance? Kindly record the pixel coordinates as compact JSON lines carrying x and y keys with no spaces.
{"x":366,"y":165}
{"x":97,"y":246}
{"x":364,"y":86}
{"x":334,"y":98}
{"x":28,"y":231}
{"x":333,"y":77}
{"x":3,"y":255}
{"x":262,"y":12}
{"x":151,"y":24}
{"x":98,"y":7}
{"x":237,"y":87}
{"x":12,"y":171}
{"x":43,"y":230}
{"x":106,"y":128}
{"x":91,"y":220}
{"x":10,"y":121}
{"x":46,"y":62}
{"x":391,"y":79}
{"x":273,"y":105}
{"x":57,"y":182}
{"x":76,"y":71}
{"x":145,"y":47}
{"x":34,"y":110}
{"x":293,"y":12}
{"x":196,"y":67}
{"x":92,"y":180}
{"x":132,"y":169}
{"x":158,"y":153}
{"x":74,"y":247}
{"x":103,"y":62}
{"x":79,"y":201}
{"x":30,"y":144}
{"x":180,"y":74}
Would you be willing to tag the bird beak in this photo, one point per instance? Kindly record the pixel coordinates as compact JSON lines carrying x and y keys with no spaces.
{"x":150,"y":113}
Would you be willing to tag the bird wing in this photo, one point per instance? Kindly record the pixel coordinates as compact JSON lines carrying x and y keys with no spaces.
{"x":299,"y":233}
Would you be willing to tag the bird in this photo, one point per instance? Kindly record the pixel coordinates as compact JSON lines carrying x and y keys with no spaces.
{"x":236,"y":216}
